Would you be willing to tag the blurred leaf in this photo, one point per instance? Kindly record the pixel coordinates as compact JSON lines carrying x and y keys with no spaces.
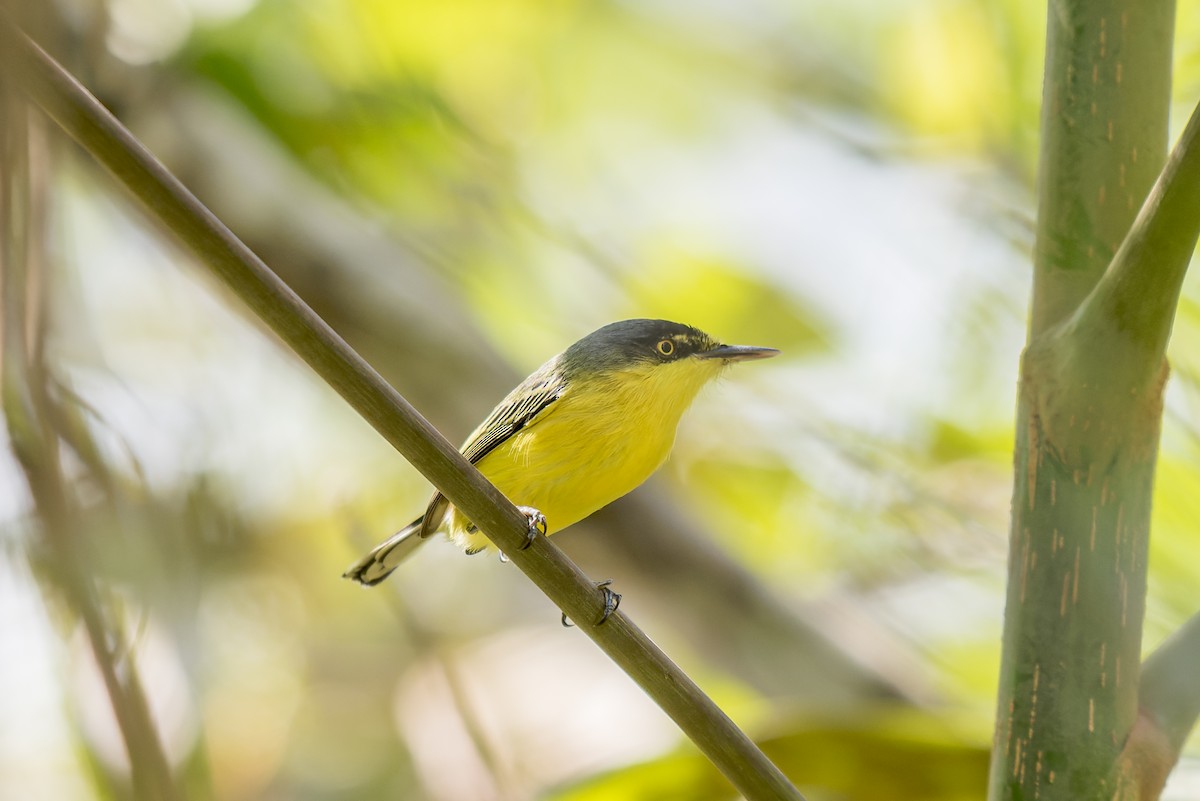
{"x":757,"y":508}
{"x":949,"y":442}
{"x":354,"y":113}
{"x":890,"y":755}
{"x":726,"y":299}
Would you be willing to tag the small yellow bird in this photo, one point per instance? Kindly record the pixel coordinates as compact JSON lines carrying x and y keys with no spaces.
{"x":587,"y":427}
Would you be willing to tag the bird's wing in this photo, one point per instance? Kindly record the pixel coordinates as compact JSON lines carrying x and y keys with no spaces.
{"x":530,"y":402}
{"x":522,"y":408}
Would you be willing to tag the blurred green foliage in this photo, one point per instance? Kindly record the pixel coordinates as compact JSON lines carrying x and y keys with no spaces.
{"x":872,"y":754}
{"x":850,"y":182}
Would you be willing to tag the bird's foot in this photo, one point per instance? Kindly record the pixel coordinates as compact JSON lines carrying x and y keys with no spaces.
{"x":611,"y":601}
{"x":537,"y":525}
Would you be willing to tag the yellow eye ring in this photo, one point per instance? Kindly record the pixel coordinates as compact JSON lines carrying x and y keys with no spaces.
{"x":666,"y":347}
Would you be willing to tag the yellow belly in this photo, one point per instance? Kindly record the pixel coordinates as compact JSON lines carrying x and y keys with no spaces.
{"x":594,"y":447}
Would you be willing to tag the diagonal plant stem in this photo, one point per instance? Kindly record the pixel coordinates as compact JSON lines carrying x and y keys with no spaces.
{"x":1138,"y":293}
{"x":172,"y":205}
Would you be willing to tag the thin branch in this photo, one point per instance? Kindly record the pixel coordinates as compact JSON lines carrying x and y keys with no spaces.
{"x":170,"y":203}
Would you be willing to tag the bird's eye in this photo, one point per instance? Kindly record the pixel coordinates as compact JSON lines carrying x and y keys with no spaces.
{"x":666,"y":347}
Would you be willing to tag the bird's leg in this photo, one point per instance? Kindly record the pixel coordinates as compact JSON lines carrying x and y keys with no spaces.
{"x":537,"y":525}
{"x":611,"y":601}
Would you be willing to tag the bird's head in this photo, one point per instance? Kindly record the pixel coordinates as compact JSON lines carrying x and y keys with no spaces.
{"x":665,"y":358}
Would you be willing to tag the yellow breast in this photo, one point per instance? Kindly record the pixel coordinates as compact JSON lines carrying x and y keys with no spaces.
{"x":600,"y":440}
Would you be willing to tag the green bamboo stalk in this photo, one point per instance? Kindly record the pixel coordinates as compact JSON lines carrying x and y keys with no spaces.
{"x":1133,"y":305}
{"x":1090,"y":403}
{"x":1105,"y":102}
{"x":168,"y":202}
{"x":1137,"y":297}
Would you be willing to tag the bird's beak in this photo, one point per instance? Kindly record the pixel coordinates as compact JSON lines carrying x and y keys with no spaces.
{"x":737,"y":353}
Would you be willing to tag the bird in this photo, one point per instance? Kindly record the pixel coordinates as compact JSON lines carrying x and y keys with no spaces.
{"x":585,"y":428}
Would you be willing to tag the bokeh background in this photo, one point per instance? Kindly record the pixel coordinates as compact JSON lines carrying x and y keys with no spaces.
{"x":461,"y":189}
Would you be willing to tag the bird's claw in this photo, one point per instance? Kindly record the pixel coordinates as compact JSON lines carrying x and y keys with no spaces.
{"x":611,"y":601}
{"x":537,"y":525}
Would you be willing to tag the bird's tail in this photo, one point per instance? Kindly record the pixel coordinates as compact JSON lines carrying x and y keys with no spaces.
{"x":387,"y":555}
